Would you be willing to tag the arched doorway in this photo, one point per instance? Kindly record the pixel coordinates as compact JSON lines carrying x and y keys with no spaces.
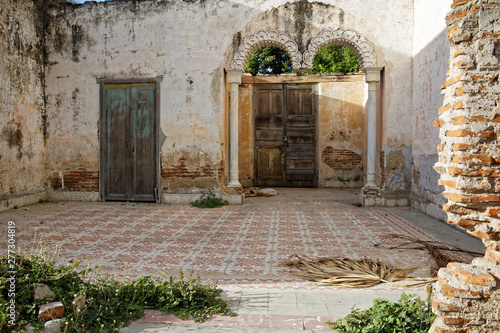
{"x":361,"y":47}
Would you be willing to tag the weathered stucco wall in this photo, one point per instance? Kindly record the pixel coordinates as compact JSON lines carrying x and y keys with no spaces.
{"x":430,"y":62}
{"x":22,"y":118}
{"x":190,"y":43}
{"x":341,"y":134}
{"x":339,"y":126}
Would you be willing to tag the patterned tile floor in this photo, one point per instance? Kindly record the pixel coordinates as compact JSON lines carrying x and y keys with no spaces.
{"x":238,"y":246}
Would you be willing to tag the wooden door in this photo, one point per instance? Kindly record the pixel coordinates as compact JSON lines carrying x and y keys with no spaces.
{"x":269,"y":133}
{"x":128,"y":143}
{"x":284,"y":122}
{"x":300,"y":137}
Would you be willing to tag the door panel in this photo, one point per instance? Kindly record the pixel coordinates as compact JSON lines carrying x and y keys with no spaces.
{"x":270,"y":165}
{"x":143,"y":114}
{"x":129,"y":142}
{"x":300,"y":132}
{"x":117,"y":139}
{"x":269,"y":131}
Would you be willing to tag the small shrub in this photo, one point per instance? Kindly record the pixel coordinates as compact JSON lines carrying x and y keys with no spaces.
{"x":409,"y":315}
{"x":209,"y":200}
{"x":109,"y":305}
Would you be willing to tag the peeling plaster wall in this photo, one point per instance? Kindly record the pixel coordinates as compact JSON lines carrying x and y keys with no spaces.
{"x":190,"y":43}
{"x":430,"y":62}
{"x":341,"y":132}
{"x":22,"y":118}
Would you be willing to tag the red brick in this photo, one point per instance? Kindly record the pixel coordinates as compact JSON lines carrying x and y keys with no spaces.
{"x":493,"y":212}
{"x":481,"y":279}
{"x":445,"y":306}
{"x":487,"y":235}
{"x":472,"y":197}
{"x":459,"y":120}
{"x":459,"y":2}
{"x":471,"y":172}
{"x":449,"y":183}
{"x":465,"y":222}
{"x":450,"y":291}
{"x":451,"y":81}
{"x":461,"y":133}
{"x":460,"y":146}
{"x":439,"y":123}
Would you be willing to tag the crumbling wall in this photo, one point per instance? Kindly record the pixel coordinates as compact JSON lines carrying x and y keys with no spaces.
{"x":430,"y":62}
{"x":22,"y":111}
{"x":189,"y":43}
{"x":467,"y":297}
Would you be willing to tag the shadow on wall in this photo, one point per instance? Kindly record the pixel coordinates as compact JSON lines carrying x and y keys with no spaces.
{"x":430,"y":65}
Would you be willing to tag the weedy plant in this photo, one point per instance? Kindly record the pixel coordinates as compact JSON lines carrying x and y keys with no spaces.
{"x":409,"y":315}
{"x":209,"y":200}
{"x":109,"y":304}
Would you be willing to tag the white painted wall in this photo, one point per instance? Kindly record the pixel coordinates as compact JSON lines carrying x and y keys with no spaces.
{"x":430,"y":62}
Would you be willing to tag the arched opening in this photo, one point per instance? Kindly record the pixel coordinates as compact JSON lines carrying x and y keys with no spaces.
{"x":335,"y":59}
{"x":269,"y":60}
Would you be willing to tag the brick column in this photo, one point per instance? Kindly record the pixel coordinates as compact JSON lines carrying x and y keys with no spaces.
{"x":234,"y":79}
{"x":467,"y":296}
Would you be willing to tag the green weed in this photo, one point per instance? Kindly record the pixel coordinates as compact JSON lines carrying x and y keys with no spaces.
{"x":409,"y":315}
{"x":209,"y":200}
{"x":109,"y":304}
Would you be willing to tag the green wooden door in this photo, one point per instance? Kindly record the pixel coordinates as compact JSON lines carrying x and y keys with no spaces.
{"x":128,"y":142}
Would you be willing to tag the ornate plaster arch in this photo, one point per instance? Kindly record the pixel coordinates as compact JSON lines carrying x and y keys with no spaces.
{"x":350,"y":38}
{"x":266,"y":38}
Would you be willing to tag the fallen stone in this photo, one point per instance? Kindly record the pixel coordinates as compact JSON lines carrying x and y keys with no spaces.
{"x":267,"y":192}
{"x":53,"y":326}
{"x":51,"y":310}
{"x":43,"y":291}
{"x":28,"y":329}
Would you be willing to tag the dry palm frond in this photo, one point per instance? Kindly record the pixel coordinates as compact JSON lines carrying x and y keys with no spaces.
{"x":441,"y":252}
{"x":344,"y":272}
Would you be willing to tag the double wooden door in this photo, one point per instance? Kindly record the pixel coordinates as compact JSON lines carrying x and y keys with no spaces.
{"x":284,"y":123}
{"x":128,"y":142}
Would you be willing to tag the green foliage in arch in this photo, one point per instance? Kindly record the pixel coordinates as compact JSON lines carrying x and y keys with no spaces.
{"x":331,"y":59}
{"x":335,"y":59}
{"x":269,"y":60}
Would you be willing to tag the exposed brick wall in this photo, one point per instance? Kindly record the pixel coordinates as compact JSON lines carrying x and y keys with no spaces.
{"x":467,"y":297}
{"x":341,"y":159}
{"x":182,"y":171}
{"x":77,"y":180}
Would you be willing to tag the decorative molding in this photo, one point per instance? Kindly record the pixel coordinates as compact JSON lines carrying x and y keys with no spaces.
{"x":357,"y":43}
{"x":266,"y":38}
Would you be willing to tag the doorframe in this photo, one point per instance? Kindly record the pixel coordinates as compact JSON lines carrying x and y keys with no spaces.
{"x":102,"y":82}
{"x":315,"y":106}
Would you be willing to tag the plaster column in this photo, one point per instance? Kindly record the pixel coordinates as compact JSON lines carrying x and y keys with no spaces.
{"x":234,"y":79}
{"x":372,"y":77}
